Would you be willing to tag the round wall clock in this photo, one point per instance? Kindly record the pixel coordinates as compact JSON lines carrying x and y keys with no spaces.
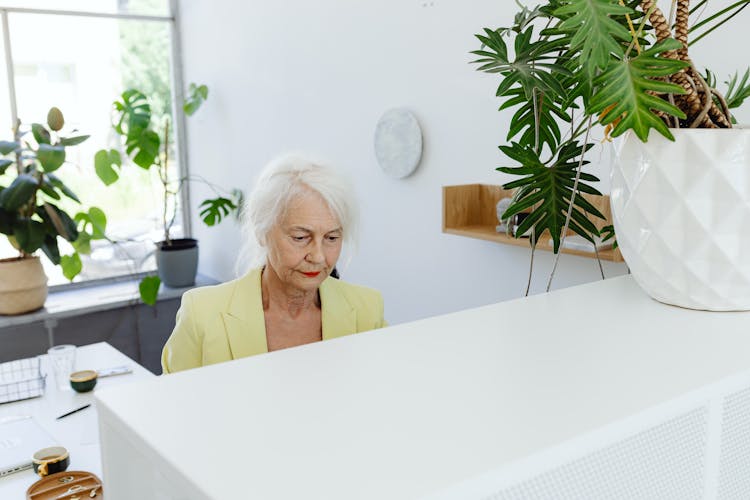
{"x":398,"y":143}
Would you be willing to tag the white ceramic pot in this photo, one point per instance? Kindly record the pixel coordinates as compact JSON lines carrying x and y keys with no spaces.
{"x":23,"y":285}
{"x":681,"y":212}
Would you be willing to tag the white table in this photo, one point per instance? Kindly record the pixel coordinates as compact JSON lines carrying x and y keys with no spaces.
{"x":594,"y":391}
{"x":78,"y":432}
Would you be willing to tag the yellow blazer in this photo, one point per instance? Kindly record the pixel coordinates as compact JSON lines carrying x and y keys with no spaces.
{"x":224,"y":322}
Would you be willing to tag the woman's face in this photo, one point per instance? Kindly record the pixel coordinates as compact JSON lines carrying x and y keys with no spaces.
{"x":304,"y":246}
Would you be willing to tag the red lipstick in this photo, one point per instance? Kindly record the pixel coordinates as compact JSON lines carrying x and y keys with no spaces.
{"x":312,"y":275}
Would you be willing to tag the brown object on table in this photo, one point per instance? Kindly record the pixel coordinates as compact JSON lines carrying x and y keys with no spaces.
{"x":67,"y":485}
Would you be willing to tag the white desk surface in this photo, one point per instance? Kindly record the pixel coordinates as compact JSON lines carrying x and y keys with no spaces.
{"x":78,"y":433}
{"x":409,"y":410}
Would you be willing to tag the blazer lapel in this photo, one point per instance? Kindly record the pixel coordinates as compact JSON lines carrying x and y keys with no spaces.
{"x":243,"y":319}
{"x":338,"y":316}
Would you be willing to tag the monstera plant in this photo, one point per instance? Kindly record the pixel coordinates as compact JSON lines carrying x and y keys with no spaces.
{"x":32,"y":215}
{"x":566,"y":66}
{"x":147,"y":145}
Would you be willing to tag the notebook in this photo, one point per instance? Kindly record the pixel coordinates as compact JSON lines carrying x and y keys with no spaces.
{"x":19,"y":440}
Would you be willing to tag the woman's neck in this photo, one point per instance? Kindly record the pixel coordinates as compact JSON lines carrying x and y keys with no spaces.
{"x":277,"y":294}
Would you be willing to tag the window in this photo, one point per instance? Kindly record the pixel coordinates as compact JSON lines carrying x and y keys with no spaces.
{"x":80,"y":57}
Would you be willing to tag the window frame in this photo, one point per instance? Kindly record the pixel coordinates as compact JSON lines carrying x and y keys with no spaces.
{"x":176,"y":81}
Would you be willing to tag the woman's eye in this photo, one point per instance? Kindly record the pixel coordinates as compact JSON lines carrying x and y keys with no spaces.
{"x":299,"y":238}
{"x":333,"y":238}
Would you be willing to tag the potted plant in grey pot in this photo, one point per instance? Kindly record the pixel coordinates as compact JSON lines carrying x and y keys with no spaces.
{"x":569,"y":65}
{"x":33,"y":216}
{"x":147,"y":145}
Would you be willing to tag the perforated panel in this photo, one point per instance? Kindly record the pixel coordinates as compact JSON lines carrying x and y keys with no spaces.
{"x":734,"y":465}
{"x":664,"y":462}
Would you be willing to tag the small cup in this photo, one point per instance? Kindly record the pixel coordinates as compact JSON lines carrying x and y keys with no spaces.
{"x":83,"y":381}
{"x":63,"y":359}
{"x":50,"y":460}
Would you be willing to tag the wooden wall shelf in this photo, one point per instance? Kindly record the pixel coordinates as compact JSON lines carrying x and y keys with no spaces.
{"x":469,"y":210}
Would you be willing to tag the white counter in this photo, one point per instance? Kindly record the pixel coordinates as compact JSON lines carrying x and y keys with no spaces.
{"x":488,"y":400}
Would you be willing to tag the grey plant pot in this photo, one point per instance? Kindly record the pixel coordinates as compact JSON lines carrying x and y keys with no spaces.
{"x":177,"y":263}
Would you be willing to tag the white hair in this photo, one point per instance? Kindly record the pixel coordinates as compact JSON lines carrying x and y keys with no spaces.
{"x":281,"y":181}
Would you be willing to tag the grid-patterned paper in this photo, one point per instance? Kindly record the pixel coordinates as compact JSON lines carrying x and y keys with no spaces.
{"x":21,"y":379}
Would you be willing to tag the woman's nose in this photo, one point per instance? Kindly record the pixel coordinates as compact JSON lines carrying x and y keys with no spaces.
{"x":315,"y":255}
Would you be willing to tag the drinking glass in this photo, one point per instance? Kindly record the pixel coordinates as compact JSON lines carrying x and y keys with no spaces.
{"x":63,"y":359}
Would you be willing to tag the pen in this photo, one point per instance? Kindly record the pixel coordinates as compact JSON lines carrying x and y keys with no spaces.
{"x":73,"y":411}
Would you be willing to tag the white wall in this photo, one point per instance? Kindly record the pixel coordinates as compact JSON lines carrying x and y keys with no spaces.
{"x":316,"y":76}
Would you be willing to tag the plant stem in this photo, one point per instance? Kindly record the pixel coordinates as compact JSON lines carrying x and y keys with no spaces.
{"x":570,"y":205}
{"x":632,"y":32}
{"x":531,"y":262}
{"x":700,"y":4}
{"x":596,"y":252}
{"x":724,"y":105}
{"x":707,"y":106}
{"x":670,"y":96}
{"x":163,"y":174}
{"x":537,"y":112}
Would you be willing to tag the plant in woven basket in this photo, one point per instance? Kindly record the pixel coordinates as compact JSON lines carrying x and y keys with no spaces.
{"x":569,"y":65}
{"x":31,"y":214}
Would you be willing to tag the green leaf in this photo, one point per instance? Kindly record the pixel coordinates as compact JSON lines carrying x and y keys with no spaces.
{"x":41,"y":134}
{"x":214,"y":210}
{"x":7,"y":219}
{"x":49,"y":190}
{"x":82,"y":244}
{"x":55,"y":181}
{"x":73,"y":141}
{"x":608,"y":233}
{"x":149,"y":289}
{"x":94,"y":218}
{"x":51,"y":157}
{"x":532,"y":67}
{"x":737,"y":92}
{"x":104,"y":162}
{"x":595,"y":32}
{"x":143,"y":148}
{"x":29,"y":234}
{"x":19,"y":193}
{"x":133,"y":113}
{"x":59,"y":220}
{"x":71,"y":265}
{"x":8,"y":147}
{"x":627,"y":86}
{"x":524,"y":123}
{"x":196,"y":95}
{"x":50,"y":249}
{"x":4,"y":164}
{"x":98,"y":222}
{"x":545,"y":192}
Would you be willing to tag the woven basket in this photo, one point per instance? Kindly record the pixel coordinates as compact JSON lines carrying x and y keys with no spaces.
{"x":23,"y":285}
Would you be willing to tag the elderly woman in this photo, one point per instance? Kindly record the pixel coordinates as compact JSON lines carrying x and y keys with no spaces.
{"x":295,"y":222}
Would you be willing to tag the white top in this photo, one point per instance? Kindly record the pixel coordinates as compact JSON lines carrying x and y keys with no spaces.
{"x":411,"y":409}
{"x":78,"y":433}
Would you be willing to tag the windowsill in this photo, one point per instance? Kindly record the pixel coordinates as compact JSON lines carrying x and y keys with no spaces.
{"x":100,"y":297}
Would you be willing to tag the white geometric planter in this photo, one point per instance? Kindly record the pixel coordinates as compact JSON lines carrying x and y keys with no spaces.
{"x":681,"y":212}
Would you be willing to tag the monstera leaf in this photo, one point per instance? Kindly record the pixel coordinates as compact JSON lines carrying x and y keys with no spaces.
{"x":214,"y":210}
